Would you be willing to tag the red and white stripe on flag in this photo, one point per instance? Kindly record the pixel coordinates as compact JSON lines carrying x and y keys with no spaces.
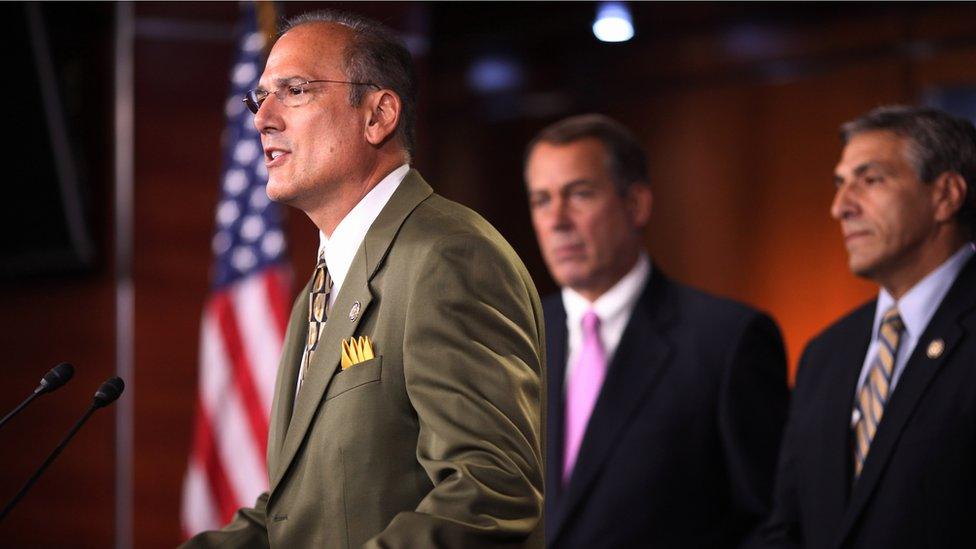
{"x":240,"y":343}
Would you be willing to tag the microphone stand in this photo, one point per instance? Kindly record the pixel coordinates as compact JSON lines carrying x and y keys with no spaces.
{"x":47,"y":462}
{"x":20,"y":407}
{"x":52,"y":380}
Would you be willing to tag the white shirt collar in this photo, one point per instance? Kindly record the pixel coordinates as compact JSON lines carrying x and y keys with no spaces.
{"x":618,"y":299}
{"x":919,"y":304}
{"x":614,"y":308}
{"x":341,"y":247}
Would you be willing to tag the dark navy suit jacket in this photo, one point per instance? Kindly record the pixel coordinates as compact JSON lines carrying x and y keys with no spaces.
{"x":681,"y":447}
{"x":918,"y":485}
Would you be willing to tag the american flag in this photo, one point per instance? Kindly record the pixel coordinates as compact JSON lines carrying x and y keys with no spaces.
{"x":244,"y":318}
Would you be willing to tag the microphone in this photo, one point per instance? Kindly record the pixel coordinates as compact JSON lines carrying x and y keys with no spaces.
{"x":52,"y":380}
{"x":108,"y":393}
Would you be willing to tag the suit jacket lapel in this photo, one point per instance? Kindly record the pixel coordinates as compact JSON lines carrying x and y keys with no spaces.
{"x":918,"y":374}
{"x":291,"y":357}
{"x":834,"y":447}
{"x":341,"y":323}
{"x":638,"y":362}
{"x":556,"y":341}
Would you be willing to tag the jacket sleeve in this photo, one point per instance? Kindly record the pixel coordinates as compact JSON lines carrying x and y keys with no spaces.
{"x":752,"y":411}
{"x":473,"y":367}
{"x":782,"y":527}
{"x":247,"y":529}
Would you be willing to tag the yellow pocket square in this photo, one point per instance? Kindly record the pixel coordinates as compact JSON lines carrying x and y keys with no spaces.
{"x":355,"y":351}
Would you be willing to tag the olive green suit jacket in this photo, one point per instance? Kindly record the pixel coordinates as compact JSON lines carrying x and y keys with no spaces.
{"x":436,"y":442}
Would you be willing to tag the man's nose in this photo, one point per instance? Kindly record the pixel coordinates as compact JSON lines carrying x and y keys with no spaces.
{"x":560,"y":215}
{"x":843,"y":205}
{"x":268,"y":118}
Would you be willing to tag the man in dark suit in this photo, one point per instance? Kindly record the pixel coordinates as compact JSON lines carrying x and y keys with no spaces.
{"x":409,"y":400}
{"x":880,"y":449}
{"x":666,"y":404}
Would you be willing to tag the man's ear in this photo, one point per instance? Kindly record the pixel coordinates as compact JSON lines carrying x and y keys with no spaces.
{"x":382,"y":117}
{"x":948,"y":195}
{"x":640,"y":199}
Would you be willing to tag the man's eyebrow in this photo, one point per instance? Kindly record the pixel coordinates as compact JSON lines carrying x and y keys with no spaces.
{"x":577,"y":183}
{"x":568,"y":187}
{"x":867,"y":166}
{"x":859,"y":170}
{"x":289,"y":80}
{"x":285,"y":80}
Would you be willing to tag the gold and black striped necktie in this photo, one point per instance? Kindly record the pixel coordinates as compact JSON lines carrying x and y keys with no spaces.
{"x":873,"y":396}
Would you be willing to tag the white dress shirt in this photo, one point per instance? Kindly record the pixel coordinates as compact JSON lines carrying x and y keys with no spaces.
{"x":614,"y":308}
{"x":916,"y":309}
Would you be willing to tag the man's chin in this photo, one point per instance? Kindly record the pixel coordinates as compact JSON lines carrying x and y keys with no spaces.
{"x":278,"y":192}
{"x":571,"y":278}
{"x":862,"y":267}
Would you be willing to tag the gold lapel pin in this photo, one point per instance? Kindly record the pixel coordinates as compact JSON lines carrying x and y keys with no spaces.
{"x":354,"y":311}
{"x":935,"y":348}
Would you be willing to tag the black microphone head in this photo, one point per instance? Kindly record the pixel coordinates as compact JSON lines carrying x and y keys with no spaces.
{"x":109,"y":392}
{"x":56,"y":377}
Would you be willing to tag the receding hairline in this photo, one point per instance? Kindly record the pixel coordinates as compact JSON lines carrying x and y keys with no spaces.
{"x":562,"y":144}
{"x":569,"y":143}
{"x":909,"y":145}
{"x":347,"y":33}
{"x":304,"y":24}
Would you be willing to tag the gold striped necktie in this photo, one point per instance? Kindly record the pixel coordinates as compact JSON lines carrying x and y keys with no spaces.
{"x":874,"y":393}
{"x":318,"y":304}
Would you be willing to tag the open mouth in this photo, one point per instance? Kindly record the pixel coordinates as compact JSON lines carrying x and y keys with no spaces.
{"x":275,"y":157}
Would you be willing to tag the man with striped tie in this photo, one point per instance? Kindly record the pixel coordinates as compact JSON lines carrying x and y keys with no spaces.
{"x":880,"y":449}
{"x":666,"y":404}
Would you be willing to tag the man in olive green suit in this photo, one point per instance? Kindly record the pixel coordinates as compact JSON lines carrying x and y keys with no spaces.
{"x":436,"y":441}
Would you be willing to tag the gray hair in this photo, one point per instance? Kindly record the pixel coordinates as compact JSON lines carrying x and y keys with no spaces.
{"x":377,"y":55}
{"x":939,"y":143}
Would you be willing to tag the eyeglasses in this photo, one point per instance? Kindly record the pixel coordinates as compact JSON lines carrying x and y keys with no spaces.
{"x":291,"y":94}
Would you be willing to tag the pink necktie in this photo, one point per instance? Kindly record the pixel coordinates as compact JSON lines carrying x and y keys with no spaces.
{"x":583,"y":390}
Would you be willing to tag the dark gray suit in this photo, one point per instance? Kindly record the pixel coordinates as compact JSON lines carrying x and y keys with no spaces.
{"x":681,"y":447}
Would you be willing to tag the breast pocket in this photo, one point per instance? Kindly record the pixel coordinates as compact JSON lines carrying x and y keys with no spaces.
{"x":355,"y":376}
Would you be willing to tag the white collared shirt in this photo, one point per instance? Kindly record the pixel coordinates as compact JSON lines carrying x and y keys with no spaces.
{"x":341,"y":247}
{"x":916,"y":309}
{"x":614,"y":308}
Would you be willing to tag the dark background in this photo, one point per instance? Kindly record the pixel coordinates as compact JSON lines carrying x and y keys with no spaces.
{"x":737,"y":104}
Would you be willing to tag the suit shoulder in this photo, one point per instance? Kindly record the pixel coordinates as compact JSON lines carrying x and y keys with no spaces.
{"x":721,"y":327}
{"x":439,"y":228}
{"x":723,"y":336}
{"x":710,"y":307}
{"x":438,"y":217}
{"x":818,"y":364}
{"x":851,"y":323}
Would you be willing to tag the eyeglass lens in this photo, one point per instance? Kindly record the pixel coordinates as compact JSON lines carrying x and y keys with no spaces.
{"x":253,"y":99}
